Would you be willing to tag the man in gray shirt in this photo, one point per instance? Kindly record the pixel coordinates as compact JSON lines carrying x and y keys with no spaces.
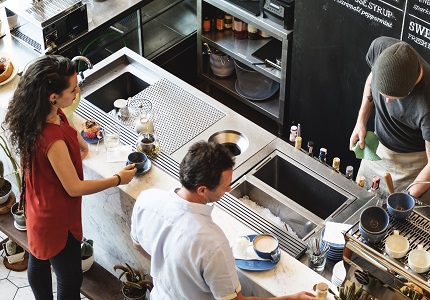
{"x":398,"y":88}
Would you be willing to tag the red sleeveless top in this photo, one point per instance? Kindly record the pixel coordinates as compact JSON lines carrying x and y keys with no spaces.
{"x":51,"y":212}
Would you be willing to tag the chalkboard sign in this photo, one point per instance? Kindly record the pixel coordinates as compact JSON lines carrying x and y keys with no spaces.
{"x":329,"y":69}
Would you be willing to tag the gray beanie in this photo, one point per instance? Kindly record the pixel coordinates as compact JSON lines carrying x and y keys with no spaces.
{"x":396,"y":70}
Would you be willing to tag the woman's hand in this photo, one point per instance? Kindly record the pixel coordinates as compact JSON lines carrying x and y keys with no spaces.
{"x":127,"y":173}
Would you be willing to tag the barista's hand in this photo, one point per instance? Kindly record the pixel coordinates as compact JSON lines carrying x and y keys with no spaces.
{"x":358,"y":134}
{"x":302,"y":296}
{"x":127,"y":173}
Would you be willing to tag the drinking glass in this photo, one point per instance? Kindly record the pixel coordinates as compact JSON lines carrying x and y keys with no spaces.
{"x":111,"y":137}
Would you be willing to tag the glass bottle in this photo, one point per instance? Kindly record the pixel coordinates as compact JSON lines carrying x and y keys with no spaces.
{"x":220,"y":20}
{"x":311,"y":148}
{"x":252,"y":32}
{"x":349,"y":172}
{"x":237,"y":28}
{"x":144,"y":123}
{"x":206,"y":24}
{"x":228,"y":21}
{"x":336,"y":163}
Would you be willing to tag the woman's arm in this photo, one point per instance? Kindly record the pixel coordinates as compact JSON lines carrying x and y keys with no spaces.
{"x":82,"y":144}
{"x":59,"y":157}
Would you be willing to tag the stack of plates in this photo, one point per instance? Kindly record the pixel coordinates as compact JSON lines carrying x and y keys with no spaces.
{"x":339,"y":274}
{"x":336,"y":250}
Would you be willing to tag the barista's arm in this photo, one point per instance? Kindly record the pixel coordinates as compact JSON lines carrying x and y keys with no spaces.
{"x":419,"y":189}
{"x":359,"y":132}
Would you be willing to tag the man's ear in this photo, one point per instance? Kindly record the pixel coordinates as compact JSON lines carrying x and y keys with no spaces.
{"x":201,"y":190}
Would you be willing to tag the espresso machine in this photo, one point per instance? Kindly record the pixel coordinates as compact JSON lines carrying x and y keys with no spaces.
{"x":382,"y":277}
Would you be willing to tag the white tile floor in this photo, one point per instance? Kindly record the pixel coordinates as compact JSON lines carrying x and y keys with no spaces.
{"x":14,"y":285}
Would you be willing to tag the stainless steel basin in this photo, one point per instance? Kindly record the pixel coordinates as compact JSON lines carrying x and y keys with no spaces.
{"x":122,"y":87}
{"x":301,"y":185}
{"x":299,"y":224}
{"x":300,"y":197}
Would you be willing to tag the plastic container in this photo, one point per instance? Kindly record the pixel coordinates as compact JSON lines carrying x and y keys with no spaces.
{"x":252,"y":84}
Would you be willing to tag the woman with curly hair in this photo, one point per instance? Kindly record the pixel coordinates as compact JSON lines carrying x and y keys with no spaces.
{"x":51,"y":152}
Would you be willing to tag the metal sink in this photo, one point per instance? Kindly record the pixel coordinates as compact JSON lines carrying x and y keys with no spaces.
{"x":302,"y":198}
{"x":122,"y":87}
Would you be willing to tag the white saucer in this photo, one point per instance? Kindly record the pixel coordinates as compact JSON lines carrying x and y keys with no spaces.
{"x":20,"y":228}
{"x":14,"y":72}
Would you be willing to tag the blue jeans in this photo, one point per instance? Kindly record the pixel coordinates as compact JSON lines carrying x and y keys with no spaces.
{"x":67,"y":267}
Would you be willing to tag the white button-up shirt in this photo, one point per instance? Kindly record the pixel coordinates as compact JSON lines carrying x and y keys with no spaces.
{"x":190,"y":254}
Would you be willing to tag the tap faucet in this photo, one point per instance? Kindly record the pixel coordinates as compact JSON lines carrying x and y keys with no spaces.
{"x":89,"y":65}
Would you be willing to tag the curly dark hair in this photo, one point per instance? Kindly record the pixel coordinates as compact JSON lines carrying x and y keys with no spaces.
{"x":203,"y":165}
{"x":29,"y":106}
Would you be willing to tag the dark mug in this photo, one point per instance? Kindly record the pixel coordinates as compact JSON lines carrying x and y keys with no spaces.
{"x":138,"y":159}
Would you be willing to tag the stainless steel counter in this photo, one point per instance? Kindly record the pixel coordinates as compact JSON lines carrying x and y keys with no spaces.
{"x":105,"y":14}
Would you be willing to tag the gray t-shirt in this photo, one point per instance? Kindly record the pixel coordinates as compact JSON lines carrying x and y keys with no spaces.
{"x":404,"y":124}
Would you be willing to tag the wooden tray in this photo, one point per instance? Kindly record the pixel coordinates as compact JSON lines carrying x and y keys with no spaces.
{"x":5,"y":207}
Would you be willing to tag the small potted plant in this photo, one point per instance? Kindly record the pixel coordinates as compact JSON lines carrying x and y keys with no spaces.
{"x":87,"y":254}
{"x":5,"y":186}
{"x":14,"y":252}
{"x":133,"y":283}
{"x":17,"y":209}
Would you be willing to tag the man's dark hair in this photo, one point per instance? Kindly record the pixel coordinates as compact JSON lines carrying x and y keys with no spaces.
{"x":203,"y":165}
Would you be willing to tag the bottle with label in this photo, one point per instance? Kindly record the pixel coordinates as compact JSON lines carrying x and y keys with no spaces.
{"x":228,"y":21}
{"x":349,"y":173}
{"x":298,"y":142}
{"x":311,"y":148}
{"x":323,"y":154}
{"x":336,"y":163}
{"x":253,"y":32}
{"x":206,"y":24}
{"x":237,"y":28}
{"x":293,"y":133}
{"x":220,"y":20}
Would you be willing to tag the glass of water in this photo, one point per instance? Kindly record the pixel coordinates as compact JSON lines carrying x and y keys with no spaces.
{"x":112,"y":137}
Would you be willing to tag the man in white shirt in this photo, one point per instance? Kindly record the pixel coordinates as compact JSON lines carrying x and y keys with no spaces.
{"x":190,"y":255}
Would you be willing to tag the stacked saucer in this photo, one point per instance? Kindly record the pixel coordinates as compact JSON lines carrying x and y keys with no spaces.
{"x":336,"y":250}
{"x":339,"y":273}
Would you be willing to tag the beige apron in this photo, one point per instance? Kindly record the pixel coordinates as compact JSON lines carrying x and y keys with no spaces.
{"x":403,"y":167}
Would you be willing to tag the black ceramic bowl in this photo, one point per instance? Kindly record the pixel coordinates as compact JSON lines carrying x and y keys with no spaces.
{"x":374,"y":220}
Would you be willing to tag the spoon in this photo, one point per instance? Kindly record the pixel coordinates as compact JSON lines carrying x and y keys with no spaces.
{"x":99,"y":136}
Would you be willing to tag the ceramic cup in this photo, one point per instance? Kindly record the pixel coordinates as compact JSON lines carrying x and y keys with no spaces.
{"x":400,"y":205}
{"x":373,"y":224}
{"x":138,"y":159}
{"x":419,"y":260}
{"x":267,"y":246}
{"x":396,"y":245}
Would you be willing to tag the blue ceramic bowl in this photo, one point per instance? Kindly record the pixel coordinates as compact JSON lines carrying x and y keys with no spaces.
{"x":400,"y":205}
{"x":138,"y":159}
{"x":374,"y":220}
{"x":372,"y":237}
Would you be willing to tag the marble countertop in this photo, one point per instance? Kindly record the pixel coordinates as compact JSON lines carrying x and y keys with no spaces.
{"x":289,"y":276}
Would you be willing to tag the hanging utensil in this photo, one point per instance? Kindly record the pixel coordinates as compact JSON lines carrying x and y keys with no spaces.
{"x":389,"y":182}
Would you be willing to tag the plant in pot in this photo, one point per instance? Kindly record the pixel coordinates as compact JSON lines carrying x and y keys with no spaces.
{"x":17,"y":209}
{"x":5,"y":186}
{"x":14,"y":252}
{"x":87,"y":254}
{"x":133,"y":282}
